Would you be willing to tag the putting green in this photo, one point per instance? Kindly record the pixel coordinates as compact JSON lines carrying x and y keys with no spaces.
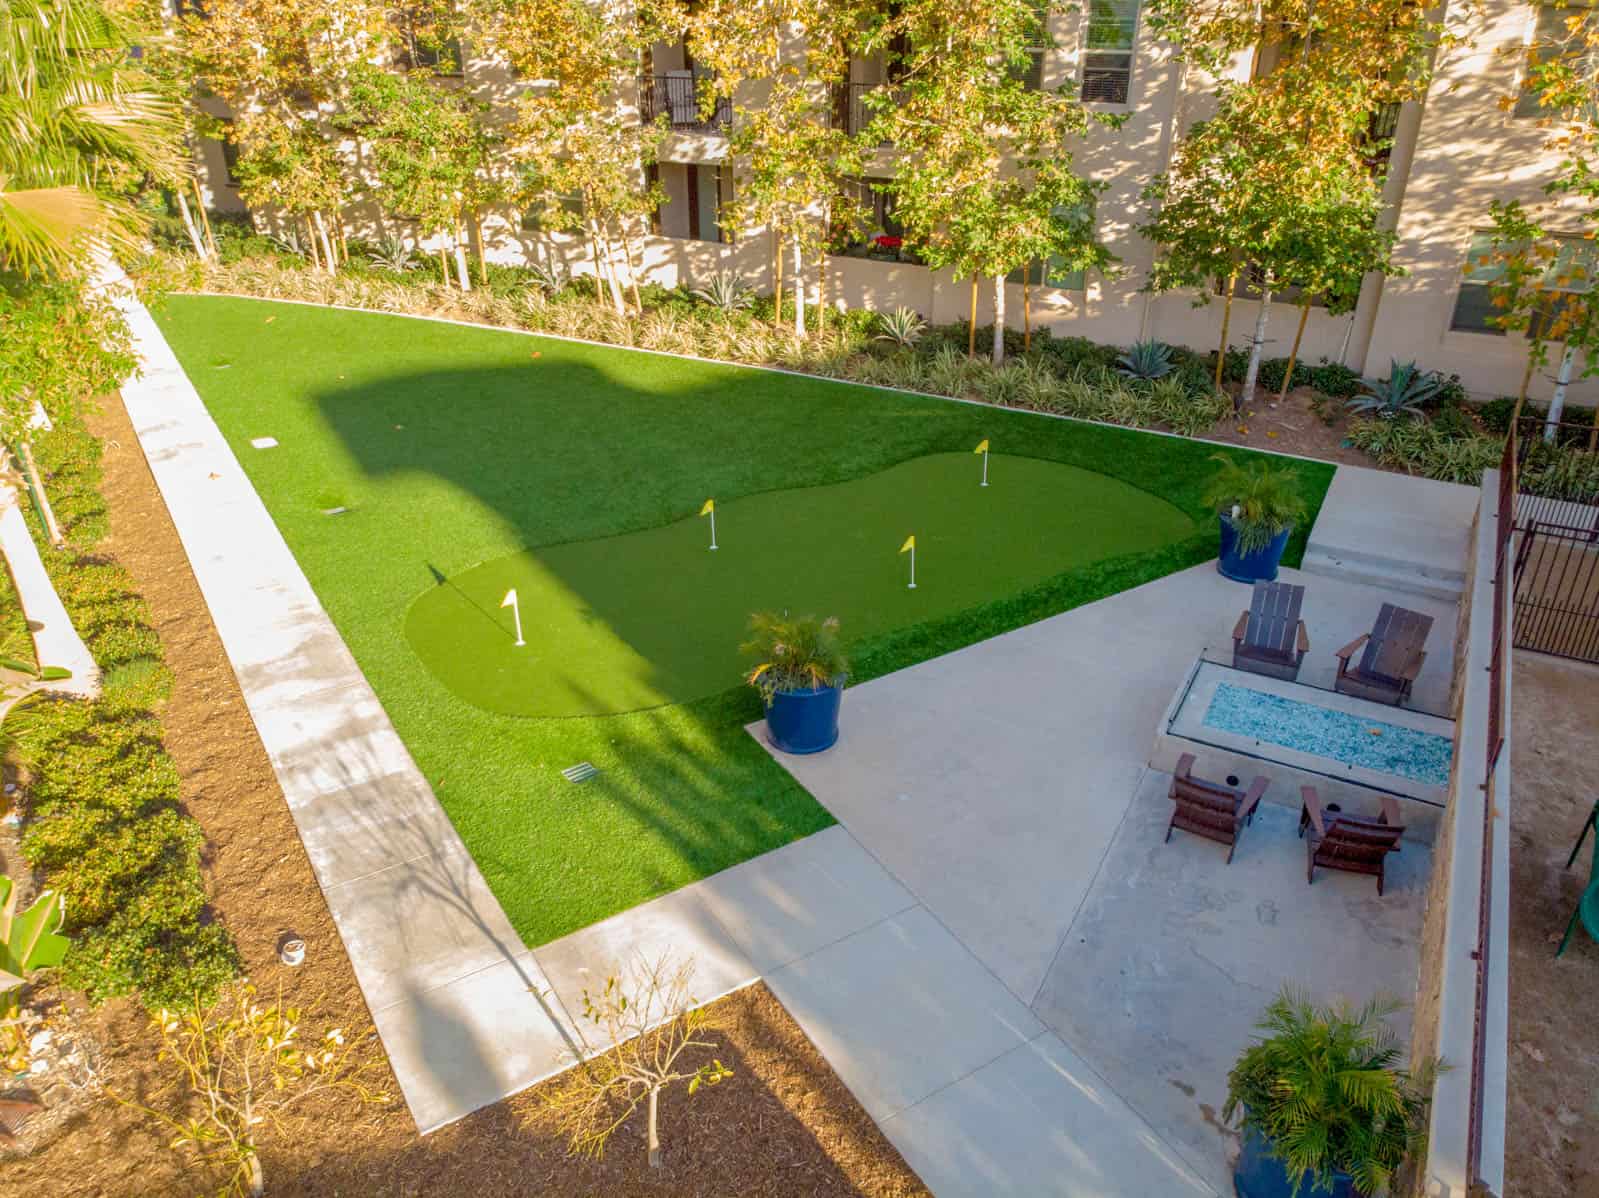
{"x":654,"y":617}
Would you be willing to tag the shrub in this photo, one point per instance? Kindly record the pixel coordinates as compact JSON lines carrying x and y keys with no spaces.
{"x":105,"y":822}
{"x":1259,"y":499}
{"x":793,"y":653}
{"x":1273,"y":369}
{"x":1334,"y":380}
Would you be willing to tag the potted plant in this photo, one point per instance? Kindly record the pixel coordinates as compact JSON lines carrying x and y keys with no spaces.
{"x":1325,"y":1109}
{"x":799,"y":670}
{"x":1257,"y":505}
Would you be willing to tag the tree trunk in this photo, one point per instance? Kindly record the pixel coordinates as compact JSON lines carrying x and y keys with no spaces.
{"x":200,"y":250}
{"x":1557,"y":401}
{"x":821,"y":288}
{"x":632,"y":274}
{"x":482,"y":261}
{"x":310,"y":243}
{"x":1226,"y":320}
{"x":1256,"y":344}
{"x":777,"y":278}
{"x":444,"y":265}
{"x":1027,"y":314}
{"x":594,"y":247}
{"x":458,"y":236}
{"x":799,"y":289}
{"x":322,"y":235}
{"x":1293,"y":354}
{"x":611,"y":277}
{"x":971,"y":324}
{"x":340,"y":238}
{"x":256,"y":1179}
{"x":655,"y":1130}
{"x":205,"y":217}
{"x":52,"y":526}
{"x":999,"y":320}
{"x":1521,"y":396}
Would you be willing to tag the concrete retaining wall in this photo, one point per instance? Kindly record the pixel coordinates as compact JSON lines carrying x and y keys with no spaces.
{"x":1446,"y":993}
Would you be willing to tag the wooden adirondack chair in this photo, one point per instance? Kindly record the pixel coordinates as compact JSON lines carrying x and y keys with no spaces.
{"x":1270,"y":637}
{"x":1394,"y":653}
{"x":1347,"y":842}
{"x":1209,"y":809}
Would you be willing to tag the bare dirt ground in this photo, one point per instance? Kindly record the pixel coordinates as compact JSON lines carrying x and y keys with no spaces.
{"x":782,"y":1125}
{"x":1553,"y":1119}
{"x":1293,"y":426}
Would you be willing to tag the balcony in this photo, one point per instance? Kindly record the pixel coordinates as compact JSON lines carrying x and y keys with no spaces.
{"x":850,"y":110}
{"x":675,"y":96}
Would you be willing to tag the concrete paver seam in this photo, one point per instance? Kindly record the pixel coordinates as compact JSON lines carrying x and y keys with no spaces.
{"x":1066,"y":935}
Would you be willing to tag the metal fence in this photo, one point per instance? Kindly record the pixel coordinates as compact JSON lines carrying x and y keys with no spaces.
{"x":1556,"y":569}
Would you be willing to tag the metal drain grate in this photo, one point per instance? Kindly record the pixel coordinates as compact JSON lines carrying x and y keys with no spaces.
{"x":581,"y":772}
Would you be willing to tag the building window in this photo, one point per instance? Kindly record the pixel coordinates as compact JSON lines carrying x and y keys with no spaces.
{"x":1571,"y":273}
{"x":1108,"y":52}
{"x":708,"y":188}
{"x":1553,"y":38}
{"x":883,"y":238}
{"x":230,"y":157}
{"x":533,"y":219}
{"x":423,"y":46}
{"x":1050,"y":272}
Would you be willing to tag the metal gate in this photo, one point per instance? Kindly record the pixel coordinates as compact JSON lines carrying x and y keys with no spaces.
{"x":1557,"y":557}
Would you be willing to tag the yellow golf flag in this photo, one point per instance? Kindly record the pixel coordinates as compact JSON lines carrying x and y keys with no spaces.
{"x":510,"y":598}
{"x":910,"y":543}
{"x":982,"y":446}
{"x":710,"y":506}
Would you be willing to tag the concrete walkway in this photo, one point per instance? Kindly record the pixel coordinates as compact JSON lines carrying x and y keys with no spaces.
{"x":459,"y":1002}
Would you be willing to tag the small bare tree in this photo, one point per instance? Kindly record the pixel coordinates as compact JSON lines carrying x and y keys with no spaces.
{"x":244,"y":1066}
{"x":650,"y":1019}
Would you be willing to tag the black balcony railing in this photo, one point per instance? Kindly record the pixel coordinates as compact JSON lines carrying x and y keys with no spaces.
{"x":676,"y":97}
{"x":851,"y":111}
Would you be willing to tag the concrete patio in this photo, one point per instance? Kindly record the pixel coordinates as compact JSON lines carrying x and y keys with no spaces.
{"x":1006,"y":787}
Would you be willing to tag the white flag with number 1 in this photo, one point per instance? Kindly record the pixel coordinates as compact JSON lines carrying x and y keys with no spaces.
{"x":511,"y":602}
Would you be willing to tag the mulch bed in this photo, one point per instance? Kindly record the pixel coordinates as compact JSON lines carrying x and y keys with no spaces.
{"x":783,"y":1124}
{"x":1552,"y":1117}
{"x":1292,"y":426}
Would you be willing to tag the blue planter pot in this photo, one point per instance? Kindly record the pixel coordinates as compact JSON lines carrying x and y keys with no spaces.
{"x":1260,"y":566}
{"x":804,"y":721}
{"x":1261,"y":1175}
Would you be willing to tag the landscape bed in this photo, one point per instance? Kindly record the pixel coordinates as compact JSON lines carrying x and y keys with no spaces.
{"x":409,"y":453}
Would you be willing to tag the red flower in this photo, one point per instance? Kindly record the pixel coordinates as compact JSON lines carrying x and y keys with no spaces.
{"x":885,"y":242}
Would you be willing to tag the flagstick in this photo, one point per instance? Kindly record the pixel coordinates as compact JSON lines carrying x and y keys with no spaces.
{"x":912,"y":586}
{"x":516,"y":613}
{"x":985,"y":467}
{"x":713,"y":528}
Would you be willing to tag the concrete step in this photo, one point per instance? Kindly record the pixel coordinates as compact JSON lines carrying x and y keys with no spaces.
{"x":1393,"y":577}
{"x":1434,"y":569}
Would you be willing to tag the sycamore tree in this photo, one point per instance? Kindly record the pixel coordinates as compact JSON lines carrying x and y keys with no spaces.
{"x":985,"y":181}
{"x":431,"y":152}
{"x":1274,"y":184}
{"x":573,"y":139}
{"x":283,"y":67}
{"x":791,"y":161}
{"x":1261,"y":187}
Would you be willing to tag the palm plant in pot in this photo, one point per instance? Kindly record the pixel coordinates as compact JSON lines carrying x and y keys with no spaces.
{"x":799,"y":670}
{"x":1257,"y":504}
{"x":1325,"y":1107}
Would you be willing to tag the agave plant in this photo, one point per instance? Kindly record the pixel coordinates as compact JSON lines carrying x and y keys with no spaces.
{"x":1326,"y":1087}
{"x":288,"y":241}
{"x":903,"y":326}
{"x":393,"y":254}
{"x":725,"y":292}
{"x":1403,"y":393}
{"x":1146,"y":360}
{"x":548,"y":277}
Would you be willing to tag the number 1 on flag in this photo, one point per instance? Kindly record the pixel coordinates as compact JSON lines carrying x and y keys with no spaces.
{"x":515,"y":605}
{"x":982,"y":448}
{"x":710,"y":510}
{"x":910,"y":547}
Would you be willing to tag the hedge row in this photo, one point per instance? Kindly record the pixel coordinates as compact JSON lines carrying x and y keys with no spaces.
{"x":106,"y":823}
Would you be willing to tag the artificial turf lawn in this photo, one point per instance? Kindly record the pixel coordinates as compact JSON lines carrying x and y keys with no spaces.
{"x":453,"y":446}
{"x":655,"y":617}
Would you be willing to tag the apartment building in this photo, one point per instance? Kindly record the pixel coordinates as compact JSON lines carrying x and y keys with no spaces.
{"x":1452,"y":153}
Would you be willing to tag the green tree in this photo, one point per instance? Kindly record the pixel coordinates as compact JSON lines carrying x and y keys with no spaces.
{"x":572,"y":136}
{"x":431,"y":151}
{"x":80,"y":127}
{"x":985,"y":180}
